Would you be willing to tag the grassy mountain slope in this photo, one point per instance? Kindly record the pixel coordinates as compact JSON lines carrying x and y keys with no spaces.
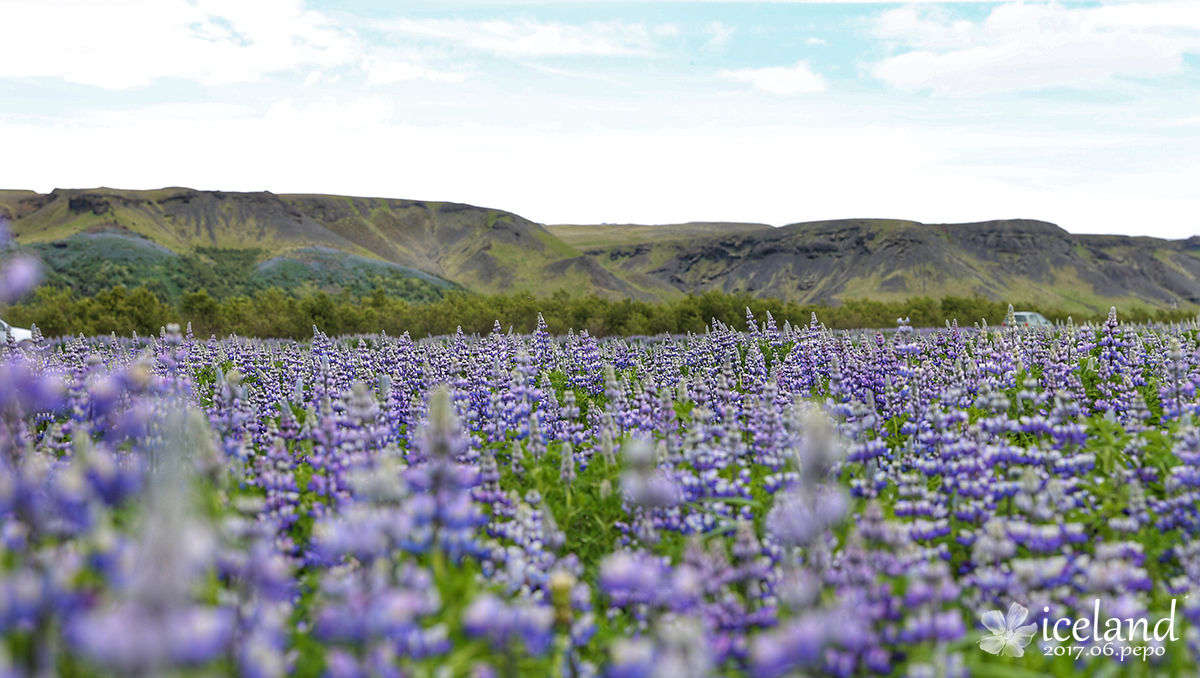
{"x":177,"y":238}
{"x":587,"y":237}
{"x":443,"y":243}
{"x":178,"y":219}
{"x":481,"y":249}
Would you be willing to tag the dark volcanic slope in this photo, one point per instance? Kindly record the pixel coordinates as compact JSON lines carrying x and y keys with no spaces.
{"x":1016,"y":259}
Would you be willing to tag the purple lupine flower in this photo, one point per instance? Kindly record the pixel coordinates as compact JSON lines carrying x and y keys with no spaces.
{"x":19,"y":275}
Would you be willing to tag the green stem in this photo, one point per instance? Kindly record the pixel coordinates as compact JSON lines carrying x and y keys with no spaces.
{"x":563,"y":645}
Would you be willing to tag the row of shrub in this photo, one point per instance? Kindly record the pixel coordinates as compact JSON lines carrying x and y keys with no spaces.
{"x":275,"y":313}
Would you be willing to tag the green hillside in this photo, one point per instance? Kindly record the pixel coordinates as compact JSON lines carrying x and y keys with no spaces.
{"x":300,"y":240}
{"x":176,"y":240}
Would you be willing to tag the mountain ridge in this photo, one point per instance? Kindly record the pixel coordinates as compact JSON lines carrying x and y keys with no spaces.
{"x":495,"y":251}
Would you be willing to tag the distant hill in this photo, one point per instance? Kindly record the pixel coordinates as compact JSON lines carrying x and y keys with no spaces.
{"x":479,"y":249}
{"x":173,"y":237}
{"x":827,"y":261}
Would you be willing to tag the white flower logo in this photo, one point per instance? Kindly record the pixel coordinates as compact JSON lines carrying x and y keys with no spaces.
{"x":1008,"y":637}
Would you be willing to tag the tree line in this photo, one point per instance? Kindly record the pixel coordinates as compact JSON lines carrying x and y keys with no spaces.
{"x":276,"y":313}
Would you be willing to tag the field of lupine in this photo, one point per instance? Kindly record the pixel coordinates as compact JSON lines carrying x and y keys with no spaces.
{"x":756,"y":502}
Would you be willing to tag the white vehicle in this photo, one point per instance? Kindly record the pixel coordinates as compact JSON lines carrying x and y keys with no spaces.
{"x":19,"y":335}
{"x":1029,"y":319}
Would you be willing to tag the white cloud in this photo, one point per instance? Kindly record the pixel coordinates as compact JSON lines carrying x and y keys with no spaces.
{"x":360,"y":114}
{"x":929,"y":27}
{"x":815,"y":42}
{"x":779,"y":80}
{"x":131,"y":43}
{"x":383,"y":73}
{"x":721,"y":35}
{"x":533,"y":38}
{"x":1022,"y":46}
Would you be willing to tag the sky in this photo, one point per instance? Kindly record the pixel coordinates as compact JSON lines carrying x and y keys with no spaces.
{"x":1084,"y":114}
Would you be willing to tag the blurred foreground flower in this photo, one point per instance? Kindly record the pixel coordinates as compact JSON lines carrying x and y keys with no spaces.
{"x":156,"y":624}
{"x":21,"y":274}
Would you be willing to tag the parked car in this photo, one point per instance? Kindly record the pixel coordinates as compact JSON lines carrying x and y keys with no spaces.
{"x":19,"y":335}
{"x":1028,"y":319}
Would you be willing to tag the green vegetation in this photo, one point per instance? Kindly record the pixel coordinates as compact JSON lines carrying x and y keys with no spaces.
{"x":274,"y":312}
{"x":90,"y":264}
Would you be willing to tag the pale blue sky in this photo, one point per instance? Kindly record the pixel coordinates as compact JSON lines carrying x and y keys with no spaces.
{"x":1086,"y":114}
